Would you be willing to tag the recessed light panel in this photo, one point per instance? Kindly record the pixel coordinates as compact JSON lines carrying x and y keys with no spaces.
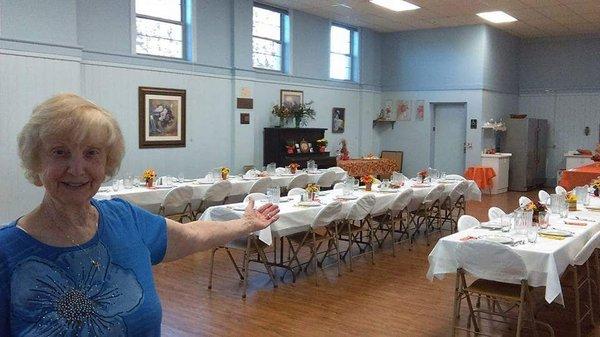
{"x":395,"y":5}
{"x":496,"y":17}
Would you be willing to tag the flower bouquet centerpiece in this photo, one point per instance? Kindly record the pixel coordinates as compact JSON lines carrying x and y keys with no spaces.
{"x":344,"y":154}
{"x":149,"y":176}
{"x":283,"y":112}
{"x":596,"y":186}
{"x":571,"y":199}
{"x":423,"y":175}
{"x":312,"y":190}
{"x":302,"y":112}
{"x":225,"y":172}
{"x":294,"y":167}
{"x":368,"y":181}
{"x":289,"y":147}
{"x":322,"y":144}
{"x":536,"y":207}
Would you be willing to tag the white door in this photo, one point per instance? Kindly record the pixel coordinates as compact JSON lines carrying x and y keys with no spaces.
{"x":448,"y":137}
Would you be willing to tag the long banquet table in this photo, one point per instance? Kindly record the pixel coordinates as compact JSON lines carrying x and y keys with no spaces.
{"x":579,"y":176}
{"x":545,"y":260}
{"x":294,"y":218}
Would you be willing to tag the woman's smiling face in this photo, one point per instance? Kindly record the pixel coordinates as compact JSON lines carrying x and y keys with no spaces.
{"x":72,"y":172}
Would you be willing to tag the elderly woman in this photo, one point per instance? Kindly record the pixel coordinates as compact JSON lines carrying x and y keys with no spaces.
{"x":75,"y":266}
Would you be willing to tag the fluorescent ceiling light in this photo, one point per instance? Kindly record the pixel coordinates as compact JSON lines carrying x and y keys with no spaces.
{"x":496,"y":17}
{"x":395,"y":5}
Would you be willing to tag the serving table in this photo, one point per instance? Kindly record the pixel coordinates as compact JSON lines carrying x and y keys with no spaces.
{"x":579,"y":176}
{"x":361,"y":167}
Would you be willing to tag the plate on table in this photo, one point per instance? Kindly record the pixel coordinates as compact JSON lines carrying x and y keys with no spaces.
{"x":387,"y":190}
{"x":204,"y":182}
{"x":250,"y":178}
{"x":164,"y":187}
{"x":285,"y":199}
{"x":286,"y":174}
{"x":309,"y":203}
{"x":491,"y":225}
{"x":421,"y":185}
{"x":593,"y":208}
{"x":555,"y":232}
{"x":346,"y":197}
{"x":104,"y":189}
{"x":322,"y":193}
{"x":498,"y":238}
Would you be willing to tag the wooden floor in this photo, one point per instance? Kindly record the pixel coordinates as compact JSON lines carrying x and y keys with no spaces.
{"x":391,"y":298}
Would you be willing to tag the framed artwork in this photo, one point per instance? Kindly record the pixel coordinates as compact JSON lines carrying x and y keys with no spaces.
{"x":403,"y":109}
{"x":291,"y":97}
{"x":420,"y":110}
{"x":388,"y":106}
{"x":244,"y":118}
{"x":338,"y":120}
{"x":161,"y":117}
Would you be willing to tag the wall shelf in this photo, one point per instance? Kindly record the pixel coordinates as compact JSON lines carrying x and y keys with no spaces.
{"x":383,"y":121}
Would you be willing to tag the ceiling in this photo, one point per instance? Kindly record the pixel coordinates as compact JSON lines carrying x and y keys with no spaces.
{"x":537,"y":18}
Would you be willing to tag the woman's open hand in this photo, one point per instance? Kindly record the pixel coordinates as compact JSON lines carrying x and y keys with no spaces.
{"x":257,"y":219}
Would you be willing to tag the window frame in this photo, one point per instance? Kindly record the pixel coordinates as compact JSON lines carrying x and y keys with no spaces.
{"x":353,"y":53}
{"x":184,"y":30}
{"x":282,"y":36}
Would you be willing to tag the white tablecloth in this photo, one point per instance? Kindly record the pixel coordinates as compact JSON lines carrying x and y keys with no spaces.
{"x":545,"y":259}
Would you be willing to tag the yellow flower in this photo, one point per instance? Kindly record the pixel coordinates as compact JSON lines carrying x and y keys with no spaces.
{"x":149,"y":174}
{"x":225,"y":170}
{"x":312,"y":188}
{"x":571,"y":197}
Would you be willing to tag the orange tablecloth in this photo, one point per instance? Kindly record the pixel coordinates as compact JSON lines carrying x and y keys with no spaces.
{"x":482,"y":175}
{"x":361,"y":167}
{"x":580,"y":176}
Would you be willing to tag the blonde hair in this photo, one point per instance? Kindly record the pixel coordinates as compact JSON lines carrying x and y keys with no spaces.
{"x":69,"y":116}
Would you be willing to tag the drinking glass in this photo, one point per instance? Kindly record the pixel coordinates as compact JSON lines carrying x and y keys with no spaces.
{"x":348,"y":187}
{"x":115,"y":185}
{"x":127,"y":181}
{"x":543,"y":219}
{"x":443,"y":176}
{"x":523,"y":219}
{"x":532,"y":234}
{"x":180,"y":177}
{"x":581,"y":192}
{"x":136,"y":181}
{"x":555,"y":202}
{"x":506,"y":222}
{"x":209,"y":177}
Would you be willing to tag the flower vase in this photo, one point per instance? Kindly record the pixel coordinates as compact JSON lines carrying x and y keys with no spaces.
{"x":536,"y":217}
{"x":368,"y":186}
{"x":311,"y":196}
{"x":290,"y":150}
{"x":292,"y":170}
{"x":572,"y":206}
{"x":224,"y":176}
{"x":597,"y":192}
{"x":297,"y":121}
{"x":322,"y":149}
{"x":149,"y":183}
{"x":281,"y":122}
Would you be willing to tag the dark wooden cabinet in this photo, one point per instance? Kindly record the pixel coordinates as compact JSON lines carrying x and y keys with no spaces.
{"x":275,"y":140}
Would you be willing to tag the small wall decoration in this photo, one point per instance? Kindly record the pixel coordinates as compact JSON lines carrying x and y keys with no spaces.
{"x":403,"y":109}
{"x":244,"y":118}
{"x":291,"y":97}
{"x":161,"y":117}
{"x":304,"y":146}
{"x":386,"y":111}
{"x":420,"y":110}
{"x":338,"y":120}
{"x":245,"y":103}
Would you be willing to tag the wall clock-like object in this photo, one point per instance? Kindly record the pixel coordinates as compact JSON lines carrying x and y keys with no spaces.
{"x":304,"y":147}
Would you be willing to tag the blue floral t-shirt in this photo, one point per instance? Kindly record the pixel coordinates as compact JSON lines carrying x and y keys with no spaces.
{"x":102,"y":288}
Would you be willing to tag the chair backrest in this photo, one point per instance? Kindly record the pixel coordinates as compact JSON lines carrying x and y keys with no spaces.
{"x":279,"y":170}
{"x":328,"y":214}
{"x":466,"y":222}
{"x":433,"y":195}
{"x":455,"y":177}
{"x":362,"y":207}
{"x":524,"y":201}
{"x":300,"y":181}
{"x":177,"y":199}
{"x":560,"y":190}
{"x":297,"y":191}
{"x":543,"y":196}
{"x":338,"y":186}
{"x":396,"y":156}
{"x":327,"y":179}
{"x":255,"y":196}
{"x":491,"y":261}
{"x":587,"y":250}
{"x":261,"y":185}
{"x":220,"y":213}
{"x":400,"y":201}
{"x":458,"y":190}
{"x":495,"y":213}
{"x":218,"y":191}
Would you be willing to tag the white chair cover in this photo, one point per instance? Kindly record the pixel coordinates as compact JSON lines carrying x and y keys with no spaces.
{"x":543,"y":196}
{"x":297,"y":191}
{"x":587,"y":250}
{"x":491,"y":261}
{"x":433,"y":195}
{"x":362,"y":207}
{"x":328,"y":214}
{"x":400,"y":201}
{"x":338,"y":186}
{"x":177,"y":198}
{"x":327,"y":179}
{"x":299,"y":181}
{"x":458,"y":190}
{"x":466,"y":222}
{"x":218,"y":191}
{"x":560,"y":190}
{"x":523,"y":201}
{"x":455,"y":176}
{"x":280,"y":170}
{"x":261,"y":185}
{"x":495,"y":213}
{"x":255,"y":196}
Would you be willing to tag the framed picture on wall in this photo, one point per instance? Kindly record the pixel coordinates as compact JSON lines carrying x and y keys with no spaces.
{"x":420,"y":110}
{"x":161,"y":117}
{"x":290,"y":97}
{"x":338,"y":120}
{"x":403,"y":109}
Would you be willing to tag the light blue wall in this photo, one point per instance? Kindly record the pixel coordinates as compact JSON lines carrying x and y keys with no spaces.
{"x":434,"y":59}
{"x":213,"y":32}
{"x":310,"y":45}
{"x":371,"y":45}
{"x":104,"y":26}
{"x":500,"y":61}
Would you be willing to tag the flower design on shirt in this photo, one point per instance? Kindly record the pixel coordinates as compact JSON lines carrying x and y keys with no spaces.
{"x":73,"y":297}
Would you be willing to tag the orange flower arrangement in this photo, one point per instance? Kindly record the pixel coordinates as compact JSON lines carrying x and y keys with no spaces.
{"x":293,"y":167}
{"x":368,"y":181}
{"x":423,"y":174}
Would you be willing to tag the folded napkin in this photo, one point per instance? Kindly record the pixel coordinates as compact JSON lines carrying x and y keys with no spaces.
{"x":575,"y":222}
{"x":552,"y":237}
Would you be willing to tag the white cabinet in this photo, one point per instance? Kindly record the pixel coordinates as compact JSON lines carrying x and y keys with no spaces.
{"x":500,"y":163}
{"x":576,"y":160}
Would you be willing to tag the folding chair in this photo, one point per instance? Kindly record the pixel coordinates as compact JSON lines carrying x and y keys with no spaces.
{"x":216,"y":194}
{"x":427,"y":213}
{"x":178,"y":204}
{"x":394,"y":214}
{"x":355,"y":223}
{"x":454,"y":205}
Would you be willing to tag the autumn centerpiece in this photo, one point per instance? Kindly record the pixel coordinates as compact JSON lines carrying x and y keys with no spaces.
{"x":282,"y":112}
{"x":368,"y":181}
{"x":289,"y":147}
{"x":422,"y":175}
{"x":149,"y":176}
{"x":596,"y":186}
{"x":571,"y":199}
{"x":225,"y":172}
{"x":536,"y":207}
{"x":293,"y":168}
{"x":322,"y":144}
{"x":312,"y":190}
